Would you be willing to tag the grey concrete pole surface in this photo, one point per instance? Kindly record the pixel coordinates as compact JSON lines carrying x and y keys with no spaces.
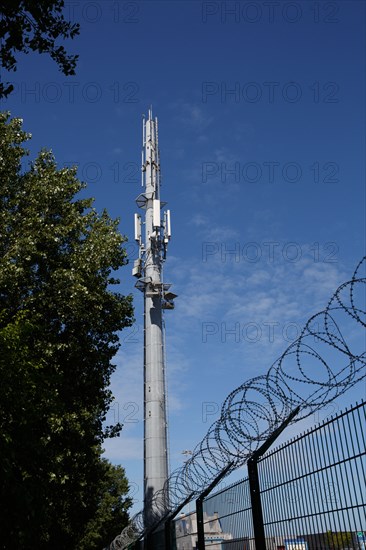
{"x":155,"y":448}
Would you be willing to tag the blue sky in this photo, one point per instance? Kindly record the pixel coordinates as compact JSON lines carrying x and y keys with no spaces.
{"x":262,"y":136}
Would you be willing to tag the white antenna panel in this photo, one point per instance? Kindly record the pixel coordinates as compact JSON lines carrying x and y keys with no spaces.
{"x":137,"y":227}
{"x":168,"y":225}
{"x":156,"y":213}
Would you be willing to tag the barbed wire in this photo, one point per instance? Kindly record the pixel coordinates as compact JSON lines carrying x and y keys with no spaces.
{"x":310,"y":374}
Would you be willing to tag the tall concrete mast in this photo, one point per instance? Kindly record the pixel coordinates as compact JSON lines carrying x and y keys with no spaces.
{"x":148,"y":269}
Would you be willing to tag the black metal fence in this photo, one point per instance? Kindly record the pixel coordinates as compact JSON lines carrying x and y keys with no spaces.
{"x":312,"y":493}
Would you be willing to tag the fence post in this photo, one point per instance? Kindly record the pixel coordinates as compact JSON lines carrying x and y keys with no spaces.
{"x":168,"y":523}
{"x":199,"y":507}
{"x":255,"y":494}
{"x":148,"y":534}
{"x":200,"y":524}
{"x":255,"y":497}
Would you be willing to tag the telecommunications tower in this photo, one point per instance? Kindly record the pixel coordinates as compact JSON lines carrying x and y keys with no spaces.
{"x":152,"y":242}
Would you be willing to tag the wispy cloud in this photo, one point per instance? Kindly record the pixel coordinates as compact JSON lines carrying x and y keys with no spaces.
{"x":192,"y":115}
{"x":225,"y":287}
{"x":120,"y":449}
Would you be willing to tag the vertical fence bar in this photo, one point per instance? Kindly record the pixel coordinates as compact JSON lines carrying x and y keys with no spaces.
{"x":169,"y":519}
{"x":255,"y":493}
{"x":199,"y":507}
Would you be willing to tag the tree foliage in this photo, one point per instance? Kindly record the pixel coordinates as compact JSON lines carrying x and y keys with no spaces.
{"x":34,"y":25}
{"x":337,"y":540}
{"x":111,"y":514}
{"x":58,"y":324}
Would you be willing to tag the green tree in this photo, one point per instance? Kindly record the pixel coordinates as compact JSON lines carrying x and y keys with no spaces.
{"x":337,"y":540}
{"x":34,"y":25}
{"x":112,"y":511}
{"x":58,"y":334}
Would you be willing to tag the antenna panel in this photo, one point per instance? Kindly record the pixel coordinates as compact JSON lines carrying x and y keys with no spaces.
{"x":168,"y":229}
{"x":156,"y":213}
{"x":137,"y":227}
